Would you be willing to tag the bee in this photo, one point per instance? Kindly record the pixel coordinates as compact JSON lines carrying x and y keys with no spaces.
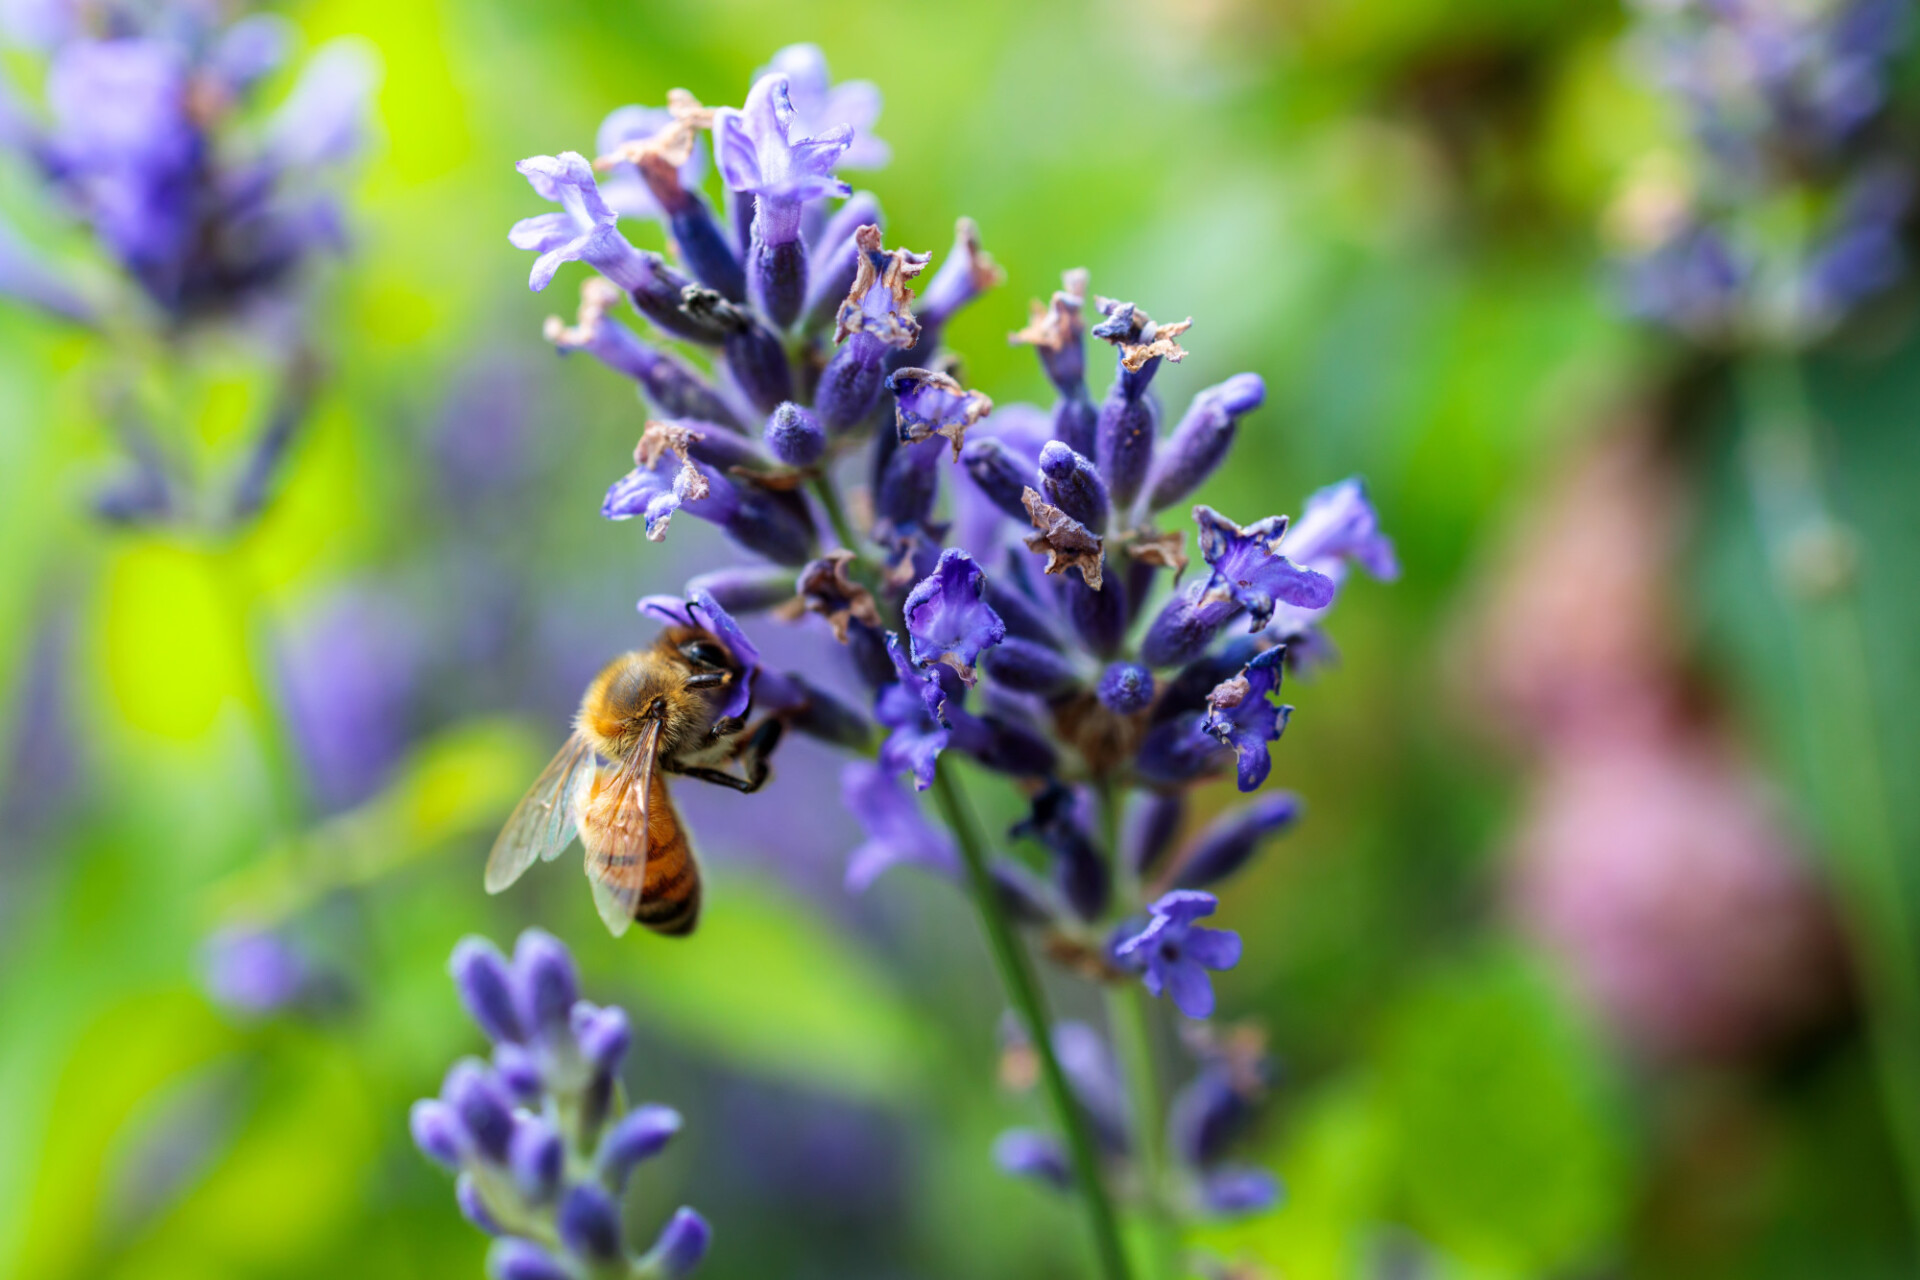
{"x":651,"y":712}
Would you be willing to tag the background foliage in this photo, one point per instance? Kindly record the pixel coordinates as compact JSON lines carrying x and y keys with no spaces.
{"x":1387,"y":209}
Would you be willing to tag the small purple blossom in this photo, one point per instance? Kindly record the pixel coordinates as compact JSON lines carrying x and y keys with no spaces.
{"x":820,"y":106}
{"x":762,"y":151}
{"x":1173,"y":954}
{"x":583,"y":230}
{"x":1240,"y":716}
{"x":948,"y":618}
{"x":1027,"y":1153}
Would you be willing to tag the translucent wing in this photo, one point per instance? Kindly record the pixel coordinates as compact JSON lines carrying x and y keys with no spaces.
{"x":615,"y":834}
{"x":542,"y":824}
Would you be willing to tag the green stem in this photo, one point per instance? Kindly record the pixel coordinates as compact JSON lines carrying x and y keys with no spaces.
{"x":1129,"y":1025}
{"x":1133,"y":1045}
{"x":829,"y":495}
{"x":1819,"y":590}
{"x":1024,"y":993}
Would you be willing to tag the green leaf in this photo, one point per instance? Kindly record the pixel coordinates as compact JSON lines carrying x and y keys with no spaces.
{"x":1498,"y":1103}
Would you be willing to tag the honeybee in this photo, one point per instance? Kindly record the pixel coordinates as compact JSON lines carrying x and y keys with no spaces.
{"x":651,"y":712}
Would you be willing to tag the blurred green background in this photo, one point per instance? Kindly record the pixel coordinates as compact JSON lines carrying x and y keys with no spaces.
{"x":1388,"y":208}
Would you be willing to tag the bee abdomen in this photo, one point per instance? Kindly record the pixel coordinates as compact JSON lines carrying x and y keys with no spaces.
{"x":671,"y":904}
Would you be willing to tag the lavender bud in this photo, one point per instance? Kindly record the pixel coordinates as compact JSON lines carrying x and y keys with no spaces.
{"x":1123,"y":443}
{"x":1057,"y":332}
{"x":1238,"y":1191}
{"x":1126,"y":687}
{"x":519,"y":1070}
{"x":1180,"y":632}
{"x":721,"y":448}
{"x":1200,"y":443}
{"x":1018,"y":608}
{"x":998,"y":474}
{"x":1025,"y":1153}
{"x":1010,"y":746}
{"x":1152,"y":823}
{"x":1028,"y":667}
{"x":759,"y":364}
{"x":1058,"y":822}
{"x":706,"y":248}
{"x":1099,"y":618}
{"x":777,"y":272}
{"x":794,"y":436}
{"x":437,"y":1132}
{"x":681,"y":1246}
{"x":485,"y":985}
{"x":1214,"y":1108}
{"x":867,"y":646}
{"x":777,"y":525}
{"x":745,"y":588}
{"x":482,"y":1106}
{"x":1232,"y":839}
{"x":837,"y":257}
{"x":604,"y":1036}
{"x":512,"y":1259}
{"x":589,"y":1223}
{"x":850,"y":385}
{"x":910,"y":482}
{"x":466,"y":1194}
{"x":1072,"y":484}
{"x":1076,"y":424}
{"x":640,"y":1135}
{"x":535,"y":1157}
{"x":548,"y":984}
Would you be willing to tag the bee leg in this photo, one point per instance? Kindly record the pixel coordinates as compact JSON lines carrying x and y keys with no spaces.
{"x":752,"y":755}
{"x":728,"y":727}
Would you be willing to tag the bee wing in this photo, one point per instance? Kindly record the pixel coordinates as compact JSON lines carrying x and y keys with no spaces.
{"x":617,"y":848}
{"x":542,"y":824}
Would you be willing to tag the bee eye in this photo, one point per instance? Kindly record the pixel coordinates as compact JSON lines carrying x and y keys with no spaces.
{"x":704,"y":652}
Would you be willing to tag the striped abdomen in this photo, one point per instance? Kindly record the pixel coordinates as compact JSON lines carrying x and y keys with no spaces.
{"x":670,"y":887}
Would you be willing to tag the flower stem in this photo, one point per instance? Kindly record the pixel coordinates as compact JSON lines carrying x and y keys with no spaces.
{"x":1024,"y":993}
{"x":1127,"y":1022}
{"x":829,"y":495}
{"x":1129,"y":1026}
{"x":1811,"y":557}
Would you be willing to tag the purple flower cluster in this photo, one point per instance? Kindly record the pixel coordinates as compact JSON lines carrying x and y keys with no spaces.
{"x":540,"y":1135}
{"x":1000,"y":578}
{"x":1790,"y":217}
{"x":1210,"y":1115}
{"x":148,"y":132}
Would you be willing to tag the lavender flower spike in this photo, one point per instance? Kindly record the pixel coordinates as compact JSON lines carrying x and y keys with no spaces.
{"x":948,"y":618}
{"x":761,"y":154}
{"x":1173,"y":953}
{"x":582,"y":232}
{"x":516,"y":1179}
{"x":1240,"y":717}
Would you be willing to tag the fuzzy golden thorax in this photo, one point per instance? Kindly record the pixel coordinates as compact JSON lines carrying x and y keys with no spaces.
{"x":682,"y":681}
